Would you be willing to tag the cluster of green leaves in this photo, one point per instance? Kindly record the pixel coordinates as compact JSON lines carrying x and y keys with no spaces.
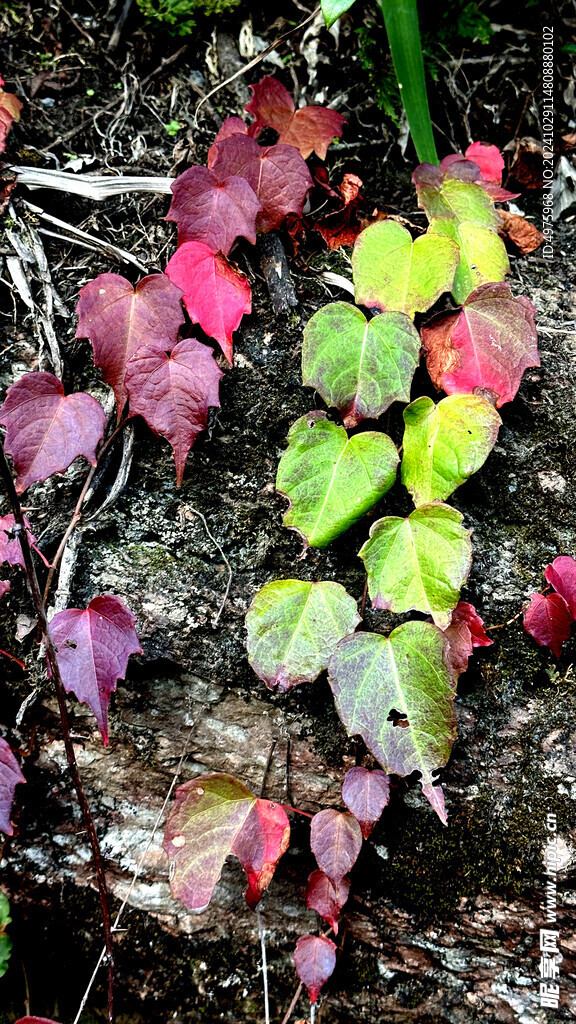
{"x":179,"y":16}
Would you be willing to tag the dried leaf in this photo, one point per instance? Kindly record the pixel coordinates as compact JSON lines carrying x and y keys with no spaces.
{"x":521,"y":232}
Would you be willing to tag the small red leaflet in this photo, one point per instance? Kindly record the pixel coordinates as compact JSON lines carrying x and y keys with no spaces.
{"x":10,"y":776}
{"x":314,"y":960}
{"x":263,"y":839}
{"x":562,"y":576}
{"x":336,"y":841}
{"x":10,"y":108}
{"x":366,"y":794}
{"x":548,"y":619}
{"x":326,"y":898}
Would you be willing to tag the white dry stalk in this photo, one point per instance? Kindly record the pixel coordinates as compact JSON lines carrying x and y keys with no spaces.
{"x":91,"y":186}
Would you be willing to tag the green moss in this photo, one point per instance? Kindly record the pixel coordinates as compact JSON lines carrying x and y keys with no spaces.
{"x":179,"y":16}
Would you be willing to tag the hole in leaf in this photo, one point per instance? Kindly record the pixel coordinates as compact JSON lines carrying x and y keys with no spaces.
{"x":398,"y":718}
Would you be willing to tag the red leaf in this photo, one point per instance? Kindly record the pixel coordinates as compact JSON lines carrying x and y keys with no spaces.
{"x":10,"y":108}
{"x":4,"y":587}
{"x":10,"y":776}
{"x":314,"y":960}
{"x":489,"y":160}
{"x":326,"y":898}
{"x":336,"y":841}
{"x":213,"y":210}
{"x":277,"y":174}
{"x":309,"y":129}
{"x":459,"y":648}
{"x":548,"y":619}
{"x":173,"y":393}
{"x":562,"y":576}
{"x":118,"y":319}
{"x":47,"y":430}
{"x":36,"y":1020}
{"x":93,"y":649}
{"x":10,"y":547}
{"x":263,"y":839}
{"x":231,"y":126}
{"x":342,"y":226}
{"x":216,"y":294}
{"x":487,"y":344}
{"x":366,"y":794}
{"x":465,"y":612}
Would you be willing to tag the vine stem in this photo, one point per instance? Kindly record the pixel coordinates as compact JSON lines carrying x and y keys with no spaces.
{"x":68,"y":745}
{"x":262,"y":935}
{"x":288,"y":1014}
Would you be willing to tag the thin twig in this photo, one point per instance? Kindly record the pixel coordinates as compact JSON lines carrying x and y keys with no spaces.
{"x":502,"y":624}
{"x":224,"y":559}
{"x":262,"y":935}
{"x":288,"y":1014}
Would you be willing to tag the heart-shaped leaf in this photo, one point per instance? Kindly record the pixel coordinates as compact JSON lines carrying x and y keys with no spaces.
{"x":213,"y":816}
{"x":397,"y":694}
{"x":330,"y":479}
{"x":310,"y":129}
{"x":174,"y":393}
{"x":487,"y":344}
{"x":216,"y":294}
{"x":483,"y":256}
{"x":366,"y":794}
{"x":314,"y":960}
{"x":549,"y":620}
{"x":46,"y":430}
{"x":335,"y":841}
{"x":359,"y":366}
{"x":393,"y":272}
{"x":562,"y":576}
{"x":213,"y":210}
{"x":10,"y":776}
{"x":293,"y":628}
{"x":445,"y":444}
{"x":332,"y":9}
{"x":441,"y":195}
{"x":326,"y":897}
{"x":418,"y":563}
{"x":93,"y":647}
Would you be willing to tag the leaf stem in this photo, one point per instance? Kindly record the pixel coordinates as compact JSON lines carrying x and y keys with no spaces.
{"x":262,"y":935}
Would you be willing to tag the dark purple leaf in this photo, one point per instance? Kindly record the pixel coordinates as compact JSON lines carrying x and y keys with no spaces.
{"x":336,"y":841}
{"x":314,"y":960}
{"x":212,"y":209}
{"x":366,"y":794}
{"x":10,"y":547}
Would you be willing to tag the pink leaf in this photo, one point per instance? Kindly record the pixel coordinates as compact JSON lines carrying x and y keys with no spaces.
{"x":336,"y":841}
{"x":277,"y":174}
{"x":174,"y":392}
{"x":309,"y":129}
{"x":36,"y":1020}
{"x":489,"y":160}
{"x":213,"y":210}
{"x":314,"y":960}
{"x":326,"y":898}
{"x":562,"y":576}
{"x":10,"y":547}
{"x":10,"y":108}
{"x":47,"y":430}
{"x":10,"y":776}
{"x":216,"y":294}
{"x":548,"y":619}
{"x":263,"y":839}
{"x":118,"y":319}
{"x":4,"y":587}
{"x":487,"y":344}
{"x":366,"y":794}
{"x":93,"y":650}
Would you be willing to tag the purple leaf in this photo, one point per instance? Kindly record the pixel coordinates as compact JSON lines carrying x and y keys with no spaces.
{"x":326,"y":898}
{"x":336,"y":841}
{"x":10,"y":547}
{"x":314,"y":960}
{"x":212,"y":209}
{"x":10,"y":776}
{"x":366,"y":794}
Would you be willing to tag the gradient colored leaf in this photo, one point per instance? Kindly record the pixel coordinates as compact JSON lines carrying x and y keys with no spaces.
{"x":213,"y":816}
{"x":393,"y":272}
{"x":441,"y":195}
{"x":330,"y":479}
{"x":549,"y":620}
{"x":326,"y":897}
{"x":445,"y":444}
{"x":216,"y":293}
{"x":10,"y":776}
{"x":366,"y":794}
{"x":418,"y":563}
{"x":397,"y":694}
{"x":46,"y":430}
{"x":488,"y":344}
{"x":277,"y":174}
{"x":93,"y":647}
{"x":335,"y":841}
{"x":314,"y":960}
{"x":357,"y":365}
{"x":464,"y":169}
{"x":488,"y":158}
{"x":173,"y":393}
{"x":118,"y":319}
{"x":333,"y":9}
{"x":293,"y":628}
{"x":458,"y":648}
{"x":213,"y":210}
{"x":309,"y":129}
{"x":465,"y":612}
{"x":10,"y":108}
{"x":483,"y":256}
{"x":562,"y":576}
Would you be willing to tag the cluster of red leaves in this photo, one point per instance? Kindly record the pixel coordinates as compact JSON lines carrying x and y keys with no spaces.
{"x":549,"y":617}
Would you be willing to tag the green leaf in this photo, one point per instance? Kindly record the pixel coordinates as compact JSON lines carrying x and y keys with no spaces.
{"x":293,"y":628}
{"x":359,"y":366}
{"x":5,"y":941}
{"x":393,"y":272}
{"x":445,"y":444}
{"x":332,"y":480}
{"x":483,"y":256}
{"x":377,"y":680}
{"x":418,"y":563}
{"x":459,"y":200}
{"x":332,"y":9}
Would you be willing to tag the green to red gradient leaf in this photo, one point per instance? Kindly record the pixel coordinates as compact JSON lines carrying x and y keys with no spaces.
{"x":396,"y":692}
{"x":173,"y":393}
{"x":10,"y":777}
{"x":327,"y":898}
{"x":445,"y":444}
{"x":562,"y":576}
{"x":483,"y":256}
{"x":330,"y":479}
{"x":10,"y":108}
{"x":393,"y":272}
{"x":335,"y":841}
{"x":360,"y":366}
{"x":214,"y":210}
{"x":293,"y":628}
{"x":216,"y":293}
{"x":93,"y":647}
{"x":118,"y":319}
{"x":46,"y":430}
{"x":487,"y":344}
{"x":314,"y":960}
{"x":549,"y":620}
{"x":212,"y":817}
{"x":309,"y":129}
{"x":440,"y":195}
{"x":366,"y":794}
